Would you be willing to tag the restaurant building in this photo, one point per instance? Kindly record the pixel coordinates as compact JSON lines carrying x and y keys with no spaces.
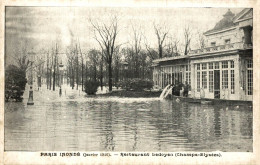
{"x":223,"y":69}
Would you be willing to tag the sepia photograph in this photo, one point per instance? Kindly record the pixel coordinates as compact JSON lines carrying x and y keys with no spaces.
{"x":128,"y":79}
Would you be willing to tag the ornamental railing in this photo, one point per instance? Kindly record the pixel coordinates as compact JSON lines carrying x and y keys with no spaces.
{"x":219,"y":48}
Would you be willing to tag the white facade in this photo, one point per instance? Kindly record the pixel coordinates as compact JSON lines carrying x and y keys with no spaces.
{"x":223,"y":69}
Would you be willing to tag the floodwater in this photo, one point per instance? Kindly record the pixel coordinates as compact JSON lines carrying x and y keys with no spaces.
{"x":74,"y":122}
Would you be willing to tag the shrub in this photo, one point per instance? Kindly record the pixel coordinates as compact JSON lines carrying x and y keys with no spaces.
{"x":136,"y":84}
{"x":15,"y":81}
{"x":91,"y":87}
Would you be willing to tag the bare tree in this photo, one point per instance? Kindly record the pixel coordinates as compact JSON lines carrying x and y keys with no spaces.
{"x":82,"y":68}
{"x":55,"y":66}
{"x":116,"y":64}
{"x":105,"y":35}
{"x":94,"y":58}
{"x":161,"y":33}
{"x":101,"y":71}
{"x":151,"y":52}
{"x":21,"y":56}
{"x":136,"y":48}
{"x":137,"y":35}
{"x":172,"y":46}
{"x":187,"y":39}
{"x":77,"y":66}
{"x":71,"y":59}
{"x":201,"y":39}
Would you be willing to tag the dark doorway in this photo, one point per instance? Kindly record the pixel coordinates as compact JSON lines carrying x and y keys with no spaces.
{"x":216,"y":84}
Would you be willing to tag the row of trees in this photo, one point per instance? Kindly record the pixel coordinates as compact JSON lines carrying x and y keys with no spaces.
{"x":139,"y":60}
{"x":112,"y":61}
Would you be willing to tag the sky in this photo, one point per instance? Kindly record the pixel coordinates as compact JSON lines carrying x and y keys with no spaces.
{"x":39,"y":28}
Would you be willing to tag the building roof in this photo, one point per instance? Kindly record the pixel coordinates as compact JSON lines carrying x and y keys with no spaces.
{"x":225,"y":23}
{"x":241,"y":13}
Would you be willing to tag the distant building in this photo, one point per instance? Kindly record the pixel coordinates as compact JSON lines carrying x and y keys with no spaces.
{"x":221,"y":70}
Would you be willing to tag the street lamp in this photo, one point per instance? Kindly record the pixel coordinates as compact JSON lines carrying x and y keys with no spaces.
{"x":39,"y":81}
{"x":125,"y":65}
{"x":30,"y":99}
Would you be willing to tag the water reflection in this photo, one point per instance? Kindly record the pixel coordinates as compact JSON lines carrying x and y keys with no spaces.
{"x":113,"y":125}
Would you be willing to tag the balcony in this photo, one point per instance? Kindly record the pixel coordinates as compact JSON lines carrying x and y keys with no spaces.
{"x":220,"y":48}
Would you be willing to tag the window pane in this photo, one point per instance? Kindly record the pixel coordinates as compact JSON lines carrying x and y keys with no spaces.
{"x":249,"y":63}
{"x":250,"y":82}
{"x":198,"y":81}
{"x":210,"y":65}
{"x":204,"y":66}
{"x":224,"y":79}
{"x":187,"y":77}
{"x":211,"y":83}
{"x":198,"y":66}
{"x":216,"y":65}
{"x":231,"y":64}
{"x":204,"y":79}
{"x":224,"y":64}
{"x":232,"y":75}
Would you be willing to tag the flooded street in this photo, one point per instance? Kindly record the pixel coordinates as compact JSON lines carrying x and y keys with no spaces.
{"x":78,"y":123}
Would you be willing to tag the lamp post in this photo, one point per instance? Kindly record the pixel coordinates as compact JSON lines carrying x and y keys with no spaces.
{"x":125,"y":64}
{"x":39,"y":81}
{"x":30,"y":99}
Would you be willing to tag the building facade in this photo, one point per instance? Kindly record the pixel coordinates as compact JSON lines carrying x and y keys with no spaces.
{"x":223,"y":69}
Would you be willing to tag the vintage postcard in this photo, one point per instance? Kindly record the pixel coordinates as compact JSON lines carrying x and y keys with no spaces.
{"x":160,"y":82}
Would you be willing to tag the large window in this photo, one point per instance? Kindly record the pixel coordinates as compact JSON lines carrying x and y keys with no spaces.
{"x":232,"y":76}
{"x":224,"y":79}
{"x":216,"y":65}
{"x":232,"y":64}
{"x":211,"y":81}
{"x":210,"y":65}
{"x":198,"y":66}
{"x":198,"y":81}
{"x":250,"y":82}
{"x":204,"y":66}
{"x":204,"y":79}
{"x":187,"y":75}
{"x":225,"y":64}
{"x":250,"y":64}
{"x":250,"y":77}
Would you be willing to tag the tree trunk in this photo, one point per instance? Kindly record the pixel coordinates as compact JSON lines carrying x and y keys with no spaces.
{"x":77,"y":71}
{"x":101,"y":75}
{"x":95,"y":72}
{"x":58,"y":72}
{"x":50,"y":76}
{"x":160,"y":51}
{"x":82,"y":75}
{"x":110,"y":75}
{"x":117,"y":73}
{"x":54,"y":68}
{"x":186,"y":49}
{"x":72,"y":78}
{"x":86,"y":72}
{"x":47,"y":76}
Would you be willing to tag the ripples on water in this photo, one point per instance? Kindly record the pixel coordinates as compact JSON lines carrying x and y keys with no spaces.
{"x":121,"y":124}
